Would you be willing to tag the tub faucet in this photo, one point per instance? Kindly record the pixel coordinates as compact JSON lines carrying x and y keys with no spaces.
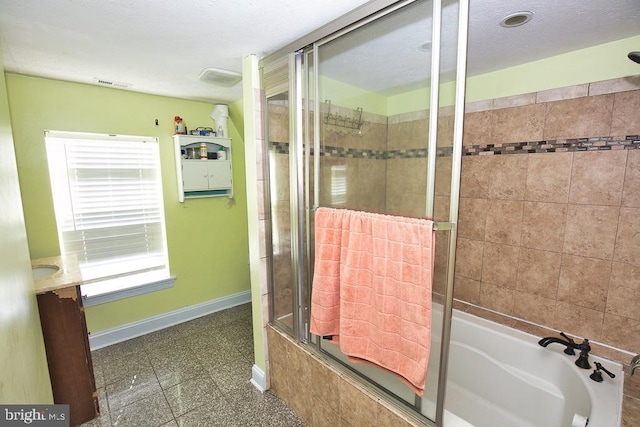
{"x":583,"y":359}
{"x":635,"y":362}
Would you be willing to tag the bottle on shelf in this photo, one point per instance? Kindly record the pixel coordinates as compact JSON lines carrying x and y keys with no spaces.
{"x":222,"y":155}
{"x":203,"y":151}
{"x":179,"y":125}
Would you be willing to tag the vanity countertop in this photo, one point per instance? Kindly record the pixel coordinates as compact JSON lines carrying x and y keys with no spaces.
{"x":67,"y":276}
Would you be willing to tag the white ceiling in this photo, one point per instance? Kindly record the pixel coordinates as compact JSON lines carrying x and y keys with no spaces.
{"x":160,"y":46}
{"x":155,"y":46}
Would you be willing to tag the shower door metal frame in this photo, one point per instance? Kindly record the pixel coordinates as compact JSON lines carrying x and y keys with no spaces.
{"x":454,"y":201}
{"x":296,"y":173}
{"x":298,"y":257}
{"x":276,"y":81}
{"x":308,"y":57}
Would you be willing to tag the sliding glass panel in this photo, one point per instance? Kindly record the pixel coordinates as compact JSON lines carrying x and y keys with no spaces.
{"x":308,"y":117}
{"x":374,"y":93}
{"x":374,"y":100}
{"x":282,"y":276}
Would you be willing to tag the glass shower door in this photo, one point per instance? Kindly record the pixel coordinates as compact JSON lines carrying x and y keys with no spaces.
{"x":367,"y":121}
{"x":375,"y":123}
{"x":282,"y":277}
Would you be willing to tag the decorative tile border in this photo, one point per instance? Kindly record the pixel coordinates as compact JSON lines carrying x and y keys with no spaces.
{"x":279,"y":147}
{"x":352,"y":153}
{"x":602,"y":143}
{"x":359,"y":153}
{"x":629,"y":142}
{"x":415,"y":153}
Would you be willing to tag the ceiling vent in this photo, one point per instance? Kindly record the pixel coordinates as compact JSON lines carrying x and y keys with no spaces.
{"x":110,"y":83}
{"x":516,"y":19}
{"x":220,"y":77}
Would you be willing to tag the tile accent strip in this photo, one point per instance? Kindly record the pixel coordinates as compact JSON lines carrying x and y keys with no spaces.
{"x":629,"y":142}
{"x":600,"y":143}
{"x":359,"y":153}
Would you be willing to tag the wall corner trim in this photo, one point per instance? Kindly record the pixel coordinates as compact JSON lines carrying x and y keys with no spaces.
{"x":118,"y":334}
{"x":258,"y":379}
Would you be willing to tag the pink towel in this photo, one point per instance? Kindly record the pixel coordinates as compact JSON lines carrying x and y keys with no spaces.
{"x":372,"y":289}
{"x":325,"y":297}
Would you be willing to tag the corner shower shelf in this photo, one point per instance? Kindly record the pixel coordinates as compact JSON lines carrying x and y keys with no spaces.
{"x":342,"y":121}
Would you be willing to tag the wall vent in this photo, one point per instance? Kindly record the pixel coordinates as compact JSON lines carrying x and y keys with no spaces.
{"x":110,"y":83}
{"x":220,"y":77}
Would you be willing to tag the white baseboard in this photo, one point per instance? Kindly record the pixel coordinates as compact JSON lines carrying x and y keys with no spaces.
{"x":111,"y":336}
{"x":258,"y":379}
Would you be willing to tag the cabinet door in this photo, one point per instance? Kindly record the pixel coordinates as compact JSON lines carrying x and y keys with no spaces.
{"x":67,"y":346}
{"x":195,"y":175}
{"x":219,"y":174}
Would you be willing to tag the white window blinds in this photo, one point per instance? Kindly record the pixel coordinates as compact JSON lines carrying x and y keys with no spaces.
{"x":107,"y":193}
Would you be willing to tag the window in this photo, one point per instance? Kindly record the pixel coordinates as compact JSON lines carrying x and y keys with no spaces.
{"x":107,"y":194}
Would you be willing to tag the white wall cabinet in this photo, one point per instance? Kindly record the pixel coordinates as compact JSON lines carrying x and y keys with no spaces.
{"x":198,"y":177}
{"x":206,"y":175}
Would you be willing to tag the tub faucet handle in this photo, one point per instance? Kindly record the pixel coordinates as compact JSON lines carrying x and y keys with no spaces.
{"x":635,"y":362}
{"x":597,"y":373}
{"x":583,"y":359}
{"x":569,"y":349}
{"x":603,"y":369}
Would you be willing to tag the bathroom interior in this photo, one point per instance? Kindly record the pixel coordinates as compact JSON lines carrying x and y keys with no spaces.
{"x":537,"y":176}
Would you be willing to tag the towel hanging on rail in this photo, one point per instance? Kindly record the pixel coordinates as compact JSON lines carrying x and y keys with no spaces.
{"x":372,"y":289}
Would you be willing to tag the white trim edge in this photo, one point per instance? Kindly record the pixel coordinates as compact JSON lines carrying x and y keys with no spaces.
{"x":258,"y":379}
{"x":89,"y":301}
{"x":155,"y":323}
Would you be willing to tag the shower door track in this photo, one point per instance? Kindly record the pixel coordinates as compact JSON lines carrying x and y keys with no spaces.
{"x":415,"y":407}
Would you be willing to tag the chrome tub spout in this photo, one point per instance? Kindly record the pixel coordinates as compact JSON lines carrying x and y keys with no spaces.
{"x":635,"y":362}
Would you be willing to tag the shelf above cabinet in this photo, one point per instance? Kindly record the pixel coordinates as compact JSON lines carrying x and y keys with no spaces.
{"x":197,"y":139}
{"x":203,"y":177}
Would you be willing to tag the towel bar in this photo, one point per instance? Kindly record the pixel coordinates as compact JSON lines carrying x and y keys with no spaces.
{"x":437,"y":226}
{"x":444,"y":226}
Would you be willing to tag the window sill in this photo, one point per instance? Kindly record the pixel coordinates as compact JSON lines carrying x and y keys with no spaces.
{"x":109,"y":296}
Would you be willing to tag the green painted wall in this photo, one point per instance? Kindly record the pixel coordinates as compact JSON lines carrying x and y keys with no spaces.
{"x":602,"y":62}
{"x":348,"y":96}
{"x":597,"y":63}
{"x":236,"y":114}
{"x":24,"y":377}
{"x":207,"y":238}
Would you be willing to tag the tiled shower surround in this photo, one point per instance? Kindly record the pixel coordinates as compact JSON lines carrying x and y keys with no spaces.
{"x":549,"y":208}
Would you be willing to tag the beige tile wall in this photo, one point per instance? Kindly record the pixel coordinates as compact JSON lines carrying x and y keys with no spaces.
{"x":323,"y":395}
{"x":552,"y":237}
{"x":365,"y":177}
{"x":263,"y":217}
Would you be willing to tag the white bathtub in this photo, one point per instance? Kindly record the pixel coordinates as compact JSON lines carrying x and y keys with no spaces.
{"x":500,"y":377}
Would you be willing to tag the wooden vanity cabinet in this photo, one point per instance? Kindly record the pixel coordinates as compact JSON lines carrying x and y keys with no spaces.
{"x":68,"y":354}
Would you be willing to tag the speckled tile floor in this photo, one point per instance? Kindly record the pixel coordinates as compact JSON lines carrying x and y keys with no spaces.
{"x":193,"y":374}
